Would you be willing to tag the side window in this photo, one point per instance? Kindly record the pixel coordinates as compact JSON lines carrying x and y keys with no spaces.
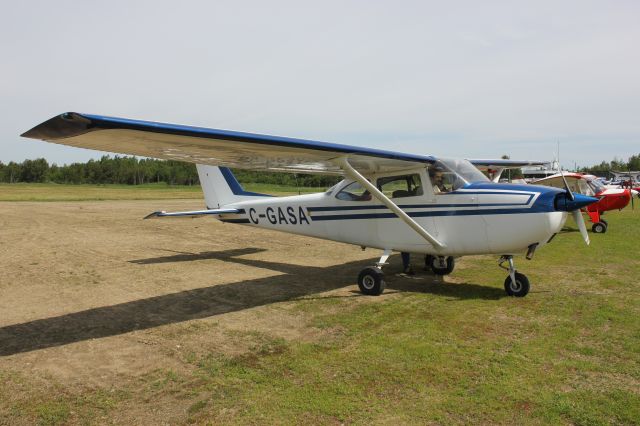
{"x":444,"y":181}
{"x":353,"y":192}
{"x":400,"y":186}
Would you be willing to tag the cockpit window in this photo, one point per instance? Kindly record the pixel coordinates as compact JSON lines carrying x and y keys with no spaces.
{"x":330,"y":190}
{"x":354,"y":192}
{"x":444,"y":180}
{"x":597,"y":186}
{"x":585,"y":188}
{"x":447,"y":175}
{"x":400,"y":186}
{"x":463,"y":169}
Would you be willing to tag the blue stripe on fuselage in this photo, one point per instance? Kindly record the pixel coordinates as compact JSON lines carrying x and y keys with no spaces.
{"x":544,"y":202}
{"x":426,"y":214}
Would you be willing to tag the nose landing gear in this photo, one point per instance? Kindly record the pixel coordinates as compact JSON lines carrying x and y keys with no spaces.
{"x":516,"y":284}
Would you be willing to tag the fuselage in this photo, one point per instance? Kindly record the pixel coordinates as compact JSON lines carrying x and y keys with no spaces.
{"x":480,"y":218}
{"x":611,"y":199}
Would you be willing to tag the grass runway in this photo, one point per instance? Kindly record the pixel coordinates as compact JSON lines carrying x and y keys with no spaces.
{"x":425,"y":352}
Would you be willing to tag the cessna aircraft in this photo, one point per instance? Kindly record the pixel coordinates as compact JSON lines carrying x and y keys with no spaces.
{"x":438,"y":207}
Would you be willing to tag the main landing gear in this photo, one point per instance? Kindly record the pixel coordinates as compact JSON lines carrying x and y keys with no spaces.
{"x":599,"y":224}
{"x":516,"y":284}
{"x":599,"y":227}
{"x":371,"y":279}
{"x":440,"y":265}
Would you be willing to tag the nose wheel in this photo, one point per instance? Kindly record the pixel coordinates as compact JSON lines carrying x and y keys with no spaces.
{"x":516,"y":284}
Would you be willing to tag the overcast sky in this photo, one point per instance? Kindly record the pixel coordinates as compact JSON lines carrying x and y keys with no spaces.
{"x":466,"y":79}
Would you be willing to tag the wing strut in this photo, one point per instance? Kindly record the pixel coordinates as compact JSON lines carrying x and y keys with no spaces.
{"x":355,"y":175}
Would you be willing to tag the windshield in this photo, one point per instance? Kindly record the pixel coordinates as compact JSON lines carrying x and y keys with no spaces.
{"x":597,"y":186}
{"x":463,"y":169}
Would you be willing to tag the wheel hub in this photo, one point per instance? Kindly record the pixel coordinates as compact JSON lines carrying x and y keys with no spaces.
{"x":515,"y":286}
{"x":368,"y":282}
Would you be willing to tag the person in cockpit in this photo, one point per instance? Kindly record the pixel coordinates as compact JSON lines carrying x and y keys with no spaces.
{"x":437,"y":180}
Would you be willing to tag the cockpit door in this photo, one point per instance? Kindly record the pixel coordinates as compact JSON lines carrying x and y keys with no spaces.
{"x":411,"y":191}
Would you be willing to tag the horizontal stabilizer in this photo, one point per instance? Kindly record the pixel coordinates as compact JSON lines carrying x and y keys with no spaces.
{"x":195,"y":213}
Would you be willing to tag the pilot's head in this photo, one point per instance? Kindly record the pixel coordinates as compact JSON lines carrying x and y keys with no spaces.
{"x":435,"y":173}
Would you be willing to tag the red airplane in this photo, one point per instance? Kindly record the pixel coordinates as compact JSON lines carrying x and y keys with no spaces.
{"x":610,"y":199}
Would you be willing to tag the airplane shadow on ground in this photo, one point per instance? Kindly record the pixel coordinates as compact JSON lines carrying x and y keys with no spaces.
{"x":297,"y":281}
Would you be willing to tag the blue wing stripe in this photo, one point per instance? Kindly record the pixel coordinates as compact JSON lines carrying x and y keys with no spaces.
{"x":72,"y":124}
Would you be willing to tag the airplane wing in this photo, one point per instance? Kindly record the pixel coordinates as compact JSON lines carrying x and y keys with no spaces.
{"x":495,"y":164}
{"x":215,"y":147}
{"x":495,"y":167}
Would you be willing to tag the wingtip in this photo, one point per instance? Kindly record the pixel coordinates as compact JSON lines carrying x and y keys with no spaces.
{"x":154,"y":215}
{"x":65,"y":125}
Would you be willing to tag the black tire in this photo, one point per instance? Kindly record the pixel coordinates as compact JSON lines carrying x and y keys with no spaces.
{"x":438,"y":270}
{"x":605,"y":222}
{"x":428,"y":261}
{"x":371,"y":281}
{"x":521,"y":287}
{"x":599,"y":228}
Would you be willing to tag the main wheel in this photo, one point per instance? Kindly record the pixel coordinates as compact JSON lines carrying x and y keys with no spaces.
{"x":428,"y":260}
{"x":518,"y":289}
{"x":599,"y":228}
{"x":605,"y":222}
{"x":442,"y":270}
{"x":371,"y":281}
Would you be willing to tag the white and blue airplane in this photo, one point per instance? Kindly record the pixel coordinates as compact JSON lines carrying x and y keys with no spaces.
{"x":441,"y":208}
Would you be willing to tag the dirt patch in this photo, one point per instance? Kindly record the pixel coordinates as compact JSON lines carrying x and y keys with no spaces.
{"x":92,"y":295}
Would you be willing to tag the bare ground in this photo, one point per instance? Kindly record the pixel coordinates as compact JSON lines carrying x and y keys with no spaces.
{"x":93,"y":297}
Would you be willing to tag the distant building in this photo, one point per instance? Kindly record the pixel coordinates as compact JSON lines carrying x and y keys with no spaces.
{"x":623,"y":176}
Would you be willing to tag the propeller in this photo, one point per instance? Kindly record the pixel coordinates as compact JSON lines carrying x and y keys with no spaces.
{"x":577,"y":215}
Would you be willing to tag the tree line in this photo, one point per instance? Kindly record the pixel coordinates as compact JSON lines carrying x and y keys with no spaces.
{"x":603,"y":169}
{"x":134,"y":171}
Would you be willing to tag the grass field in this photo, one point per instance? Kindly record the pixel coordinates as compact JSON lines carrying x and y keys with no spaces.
{"x":457,"y":352}
{"x":59,"y":192}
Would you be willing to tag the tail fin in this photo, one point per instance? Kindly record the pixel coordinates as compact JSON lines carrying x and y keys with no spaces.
{"x":220,"y":187}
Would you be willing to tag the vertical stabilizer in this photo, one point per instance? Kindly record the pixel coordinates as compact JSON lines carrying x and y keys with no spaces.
{"x":220,"y":187}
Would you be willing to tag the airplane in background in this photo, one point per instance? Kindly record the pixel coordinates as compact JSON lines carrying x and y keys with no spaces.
{"x":442,"y":208}
{"x":590,"y":185}
{"x":628,"y":180}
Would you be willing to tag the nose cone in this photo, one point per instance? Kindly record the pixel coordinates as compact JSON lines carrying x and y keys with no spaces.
{"x":564,"y":203}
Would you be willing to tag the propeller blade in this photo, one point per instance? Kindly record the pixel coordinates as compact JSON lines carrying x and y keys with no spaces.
{"x":566,"y":186}
{"x":577,"y":217}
